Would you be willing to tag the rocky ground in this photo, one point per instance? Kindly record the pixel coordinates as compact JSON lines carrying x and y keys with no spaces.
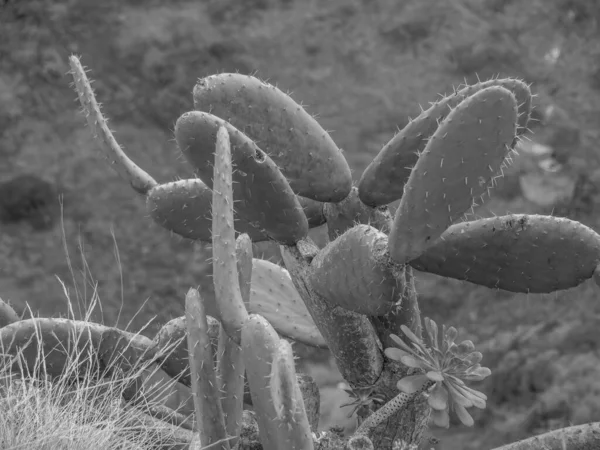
{"x":363,"y":67}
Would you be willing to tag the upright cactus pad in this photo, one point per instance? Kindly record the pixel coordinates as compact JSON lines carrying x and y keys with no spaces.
{"x":518,"y":253}
{"x":383,"y":180}
{"x":262,"y":195}
{"x":294,"y":429}
{"x":306,"y":154}
{"x":356,"y":273}
{"x":456,"y":168}
{"x":172,"y":344}
{"x":276,"y":396}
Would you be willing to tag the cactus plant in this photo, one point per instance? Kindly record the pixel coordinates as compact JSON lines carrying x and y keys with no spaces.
{"x":358,"y":291}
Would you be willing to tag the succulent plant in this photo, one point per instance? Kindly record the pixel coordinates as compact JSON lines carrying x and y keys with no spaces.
{"x":254,"y":147}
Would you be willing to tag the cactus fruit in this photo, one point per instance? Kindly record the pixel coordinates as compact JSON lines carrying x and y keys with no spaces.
{"x":355,"y":272}
{"x":383,"y":180}
{"x":274,"y":297}
{"x":262,"y":194}
{"x":7,"y":314}
{"x":306,"y":154}
{"x":457,"y":167}
{"x":517,"y":253}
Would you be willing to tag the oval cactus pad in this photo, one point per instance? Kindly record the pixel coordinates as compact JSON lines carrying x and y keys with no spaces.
{"x":274,"y":297}
{"x":355,"y":272}
{"x":184,"y":207}
{"x":456,"y":168}
{"x":303,"y":150}
{"x":262,"y":195}
{"x":517,"y":253}
{"x":383,"y":180}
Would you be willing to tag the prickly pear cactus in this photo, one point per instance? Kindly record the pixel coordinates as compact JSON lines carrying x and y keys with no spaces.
{"x":254,"y":147}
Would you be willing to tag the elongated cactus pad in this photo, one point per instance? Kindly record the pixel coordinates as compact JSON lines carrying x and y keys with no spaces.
{"x":172,"y":344}
{"x":356,"y":273}
{"x":184,"y":208}
{"x":294,"y":429}
{"x":56,"y":342}
{"x":261,"y":193}
{"x":306,"y":154}
{"x":274,"y":297}
{"x":456,"y":168}
{"x":207,"y":400}
{"x":228,"y":296}
{"x":7,"y":314}
{"x":259,"y":343}
{"x":383,"y":180}
{"x":518,"y":253}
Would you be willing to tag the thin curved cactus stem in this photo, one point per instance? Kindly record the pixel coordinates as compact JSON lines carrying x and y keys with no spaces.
{"x":394,"y":406}
{"x":141,"y":181}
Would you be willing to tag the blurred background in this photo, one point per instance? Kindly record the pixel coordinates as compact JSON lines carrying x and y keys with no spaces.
{"x":362,"y":67}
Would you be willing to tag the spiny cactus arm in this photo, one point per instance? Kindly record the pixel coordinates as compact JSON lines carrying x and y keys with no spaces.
{"x":274,"y":297}
{"x":306,"y":154}
{"x":355,"y":272}
{"x":207,"y":402}
{"x":457,"y":167}
{"x":294,"y":428}
{"x":119,"y":161}
{"x":342,"y":216}
{"x":232,"y":312}
{"x":350,"y":336}
{"x":580,"y":437}
{"x":261,"y":193}
{"x":517,"y":253}
{"x":7,"y":314}
{"x":171,"y":340}
{"x":184,"y":208}
{"x":384,"y":179}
